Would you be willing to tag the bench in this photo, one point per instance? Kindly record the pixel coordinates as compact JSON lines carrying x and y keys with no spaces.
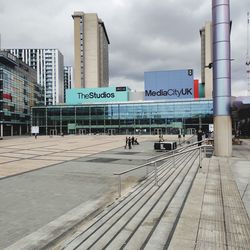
{"x":165,"y":145}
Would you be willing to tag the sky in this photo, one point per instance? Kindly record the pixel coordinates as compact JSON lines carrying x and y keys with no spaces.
{"x":145,"y":35}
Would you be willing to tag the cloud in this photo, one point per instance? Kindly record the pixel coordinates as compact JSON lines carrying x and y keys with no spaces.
{"x":145,"y":35}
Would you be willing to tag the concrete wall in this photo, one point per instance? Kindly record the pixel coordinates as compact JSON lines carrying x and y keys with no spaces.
{"x":91,"y":48}
{"x":77,"y":49}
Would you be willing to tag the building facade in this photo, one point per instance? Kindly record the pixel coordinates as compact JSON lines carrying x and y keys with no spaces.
{"x":49,"y":64}
{"x":68,"y":79}
{"x":147,"y":117}
{"x":19,"y":92}
{"x":91,"y":58}
{"x":207,"y":59}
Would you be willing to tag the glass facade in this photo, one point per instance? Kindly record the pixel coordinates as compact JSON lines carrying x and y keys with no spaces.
{"x":48,"y":64}
{"x":18,"y":92}
{"x":167,"y":117}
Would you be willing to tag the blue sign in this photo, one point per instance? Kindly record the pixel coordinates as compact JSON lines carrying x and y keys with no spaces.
{"x":93,"y":95}
{"x":173,"y":84}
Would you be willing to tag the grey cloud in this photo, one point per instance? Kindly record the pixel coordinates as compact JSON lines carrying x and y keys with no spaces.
{"x":145,"y":35}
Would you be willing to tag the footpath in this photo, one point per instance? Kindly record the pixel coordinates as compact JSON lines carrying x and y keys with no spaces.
{"x":215,"y":214}
{"x":212,"y":215}
{"x":208,"y":209}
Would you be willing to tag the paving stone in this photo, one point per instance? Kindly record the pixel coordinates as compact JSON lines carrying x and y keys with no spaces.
{"x":212,"y":212}
{"x":233,"y":201}
{"x":213,"y":236}
{"x":236,"y":215}
{"x":181,"y":243}
{"x":212,"y":198}
{"x":203,"y":245}
{"x":212,"y":225}
{"x":238,"y":240}
{"x":187,"y":228}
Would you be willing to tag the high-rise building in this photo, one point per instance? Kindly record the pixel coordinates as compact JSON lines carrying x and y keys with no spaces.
{"x":19,"y":92}
{"x":207,"y":59}
{"x":50,"y":72}
{"x":91,"y":62}
{"x":68,"y":79}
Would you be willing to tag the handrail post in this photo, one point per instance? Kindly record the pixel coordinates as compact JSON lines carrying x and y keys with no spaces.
{"x":156,"y":180}
{"x":200,"y":157}
{"x":119,"y":185}
{"x":173,"y":159}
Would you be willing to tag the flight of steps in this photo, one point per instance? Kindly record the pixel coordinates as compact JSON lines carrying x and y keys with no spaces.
{"x":145,"y":218}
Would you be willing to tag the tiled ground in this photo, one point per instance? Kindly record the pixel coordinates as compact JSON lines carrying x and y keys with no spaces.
{"x":25,"y":154}
{"x":215,"y":216}
{"x":64,"y":178}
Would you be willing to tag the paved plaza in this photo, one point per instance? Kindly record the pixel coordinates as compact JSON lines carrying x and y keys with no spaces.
{"x":50,"y":184}
{"x":44,"y":178}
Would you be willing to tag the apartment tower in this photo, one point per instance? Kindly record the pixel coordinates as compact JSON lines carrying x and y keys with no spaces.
{"x":91,"y":62}
{"x":68,"y":79}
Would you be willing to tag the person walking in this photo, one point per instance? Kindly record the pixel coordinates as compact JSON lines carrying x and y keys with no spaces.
{"x":136,"y":142}
{"x":133,"y":140}
{"x":199,"y":136}
{"x":129,"y":143}
{"x":126,"y":143}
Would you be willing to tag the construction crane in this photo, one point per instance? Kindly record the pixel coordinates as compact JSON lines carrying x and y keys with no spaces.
{"x":247,"y":57}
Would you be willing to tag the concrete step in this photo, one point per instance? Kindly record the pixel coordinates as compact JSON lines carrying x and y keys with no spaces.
{"x":168,"y":221}
{"x":214,"y":216}
{"x":122,"y":204}
{"x":167,"y":207}
{"x":124,"y":218}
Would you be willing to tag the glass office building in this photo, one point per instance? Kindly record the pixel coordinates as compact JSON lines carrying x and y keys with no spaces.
{"x":48,"y":64}
{"x":146,"y":117}
{"x":18,"y":92}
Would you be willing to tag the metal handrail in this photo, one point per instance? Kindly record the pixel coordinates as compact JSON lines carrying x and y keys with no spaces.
{"x":168,"y":152}
{"x":178,"y":149}
{"x":194,"y":143}
{"x":164,"y":158}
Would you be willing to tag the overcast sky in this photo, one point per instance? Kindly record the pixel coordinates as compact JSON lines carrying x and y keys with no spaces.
{"x":145,"y":35}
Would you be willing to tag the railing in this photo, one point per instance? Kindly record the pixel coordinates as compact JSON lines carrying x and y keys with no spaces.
{"x":179,"y":149}
{"x":171,"y":152}
{"x":161,"y":159}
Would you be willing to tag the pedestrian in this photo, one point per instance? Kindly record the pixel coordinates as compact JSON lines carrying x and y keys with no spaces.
{"x":179,"y":137}
{"x":133,"y":140}
{"x":161,"y":138}
{"x":199,"y":136}
{"x":35,"y":135}
{"x":129,"y":143}
{"x":136,"y":142}
{"x":126,"y":143}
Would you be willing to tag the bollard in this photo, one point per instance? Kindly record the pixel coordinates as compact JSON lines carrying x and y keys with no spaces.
{"x":156,"y":180}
